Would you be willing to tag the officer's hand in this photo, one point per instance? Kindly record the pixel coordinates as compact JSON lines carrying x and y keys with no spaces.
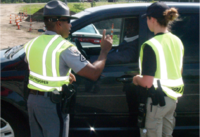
{"x":135,"y":79}
{"x":72,"y":78}
{"x":106,"y":42}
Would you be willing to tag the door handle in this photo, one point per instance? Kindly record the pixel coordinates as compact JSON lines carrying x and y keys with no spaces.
{"x":122,"y":79}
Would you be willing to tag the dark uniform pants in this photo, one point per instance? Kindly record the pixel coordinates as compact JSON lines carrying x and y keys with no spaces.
{"x":45,"y":118}
{"x":160,"y":121}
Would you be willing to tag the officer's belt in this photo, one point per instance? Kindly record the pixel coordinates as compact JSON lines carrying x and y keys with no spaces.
{"x":162,"y":91}
{"x":36,"y":92}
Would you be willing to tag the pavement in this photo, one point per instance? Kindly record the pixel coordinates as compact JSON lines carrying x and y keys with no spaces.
{"x":10,"y":35}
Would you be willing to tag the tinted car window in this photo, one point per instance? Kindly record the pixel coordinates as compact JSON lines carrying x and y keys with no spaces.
{"x":187,"y":29}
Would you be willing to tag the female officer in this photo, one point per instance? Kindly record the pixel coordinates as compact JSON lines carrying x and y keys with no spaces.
{"x":161,"y":59}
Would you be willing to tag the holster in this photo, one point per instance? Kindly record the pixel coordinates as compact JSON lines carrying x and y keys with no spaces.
{"x":56,"y":98}
{"x":68,"y":93}
{"x":160,"y":95}
{"x":153,"y":95}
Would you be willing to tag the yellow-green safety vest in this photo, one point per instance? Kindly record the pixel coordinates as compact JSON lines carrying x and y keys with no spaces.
{"x":169,"y":53}
{"x":42,"y":54}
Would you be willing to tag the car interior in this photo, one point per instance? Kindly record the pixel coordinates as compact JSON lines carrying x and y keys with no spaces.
{"x":122,"y":27}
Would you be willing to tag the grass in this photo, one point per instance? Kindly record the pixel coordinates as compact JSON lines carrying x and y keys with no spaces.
{"x":115,"y":40}
{"x":31,"y":9}
{"x":75,"y":6}
{"x":79,"y":6}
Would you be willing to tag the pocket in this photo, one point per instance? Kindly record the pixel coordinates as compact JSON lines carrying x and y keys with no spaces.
{"x":150,"y":116}
{"x":151,"y":109}
{"x":160,"y":112}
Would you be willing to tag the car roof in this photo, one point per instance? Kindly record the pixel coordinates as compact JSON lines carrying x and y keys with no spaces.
{"x":124,"y":10}
{"x":109,"y":8}
{"x":119,"y":6}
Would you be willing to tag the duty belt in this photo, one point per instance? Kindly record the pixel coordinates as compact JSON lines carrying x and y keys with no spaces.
{"x":36,"y":92}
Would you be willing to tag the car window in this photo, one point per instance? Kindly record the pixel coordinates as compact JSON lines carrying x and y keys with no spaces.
{"x":125,"y":40}
{"x":107,"y":24}
{"x":88,"y":29}
{"x":125,"y":33}
{"x":187,"y":29}
{"x":90,"y":35}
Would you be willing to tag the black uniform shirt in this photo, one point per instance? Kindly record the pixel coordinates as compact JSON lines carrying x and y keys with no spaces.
{"x":149,"y":60}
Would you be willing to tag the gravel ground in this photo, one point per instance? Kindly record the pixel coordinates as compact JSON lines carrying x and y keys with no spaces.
{"x":10,"y":36}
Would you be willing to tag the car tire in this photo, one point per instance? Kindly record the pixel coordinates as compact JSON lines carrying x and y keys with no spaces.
{"x":13,"y":122}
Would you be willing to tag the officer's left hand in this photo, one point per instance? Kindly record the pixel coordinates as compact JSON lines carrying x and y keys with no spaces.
{"x":135,"y":80}
{"x":72,"y":78}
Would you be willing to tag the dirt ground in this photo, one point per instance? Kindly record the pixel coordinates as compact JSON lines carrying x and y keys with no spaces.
{"x":10,"y":36}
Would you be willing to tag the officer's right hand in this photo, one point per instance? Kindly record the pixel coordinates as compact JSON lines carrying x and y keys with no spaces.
{"x":72,"y":78}
{"x":106,"y":42}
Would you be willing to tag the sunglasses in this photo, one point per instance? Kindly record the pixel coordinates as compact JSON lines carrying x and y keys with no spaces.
{"x":57,"y":19}
{"x":67,"y":19}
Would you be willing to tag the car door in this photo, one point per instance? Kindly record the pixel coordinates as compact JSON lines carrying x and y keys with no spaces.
{"x":110,"y":102}
{"x":187,"y":29}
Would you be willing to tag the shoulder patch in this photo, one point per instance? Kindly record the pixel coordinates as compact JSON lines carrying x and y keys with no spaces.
{"x":74,"y":50}
{"x":82,"y":58}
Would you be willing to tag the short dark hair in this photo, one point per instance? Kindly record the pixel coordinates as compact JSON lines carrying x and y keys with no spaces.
{"x":134,"y":24}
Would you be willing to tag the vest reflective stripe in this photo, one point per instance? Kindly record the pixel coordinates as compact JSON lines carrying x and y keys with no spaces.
{"x":169,"y":82}
{"x":44,"y":87}
{"x":49,"y":78}
{"x":140,"y":66}
{"x":163,"y":68}
{"x":25,"y":47}
{"x":54,"y":58}
{"x":181,"y":49}
{"x":29,"y":47}
{"x":170,"y":92}
{"x":45,"y":53}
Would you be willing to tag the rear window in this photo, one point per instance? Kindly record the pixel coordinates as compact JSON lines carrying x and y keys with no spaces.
{"x":87,"y":29}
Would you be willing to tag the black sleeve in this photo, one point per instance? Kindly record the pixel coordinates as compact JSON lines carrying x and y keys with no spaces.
{"x":149,"y":61}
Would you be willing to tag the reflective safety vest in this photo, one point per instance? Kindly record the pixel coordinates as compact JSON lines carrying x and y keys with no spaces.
{"x":43,"y":55}
{"x":169,"y":52}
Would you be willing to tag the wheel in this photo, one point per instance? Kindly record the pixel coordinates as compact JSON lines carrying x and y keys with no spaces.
{"x":6,"y":129}
{"x":13,"y":124}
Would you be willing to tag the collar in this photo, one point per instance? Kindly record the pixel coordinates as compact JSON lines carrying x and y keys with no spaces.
{"x":48,"y":32}
{"x":160,"y":33}
{"x":131,"y":38}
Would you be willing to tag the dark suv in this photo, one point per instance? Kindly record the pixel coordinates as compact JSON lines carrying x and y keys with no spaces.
{"x":108,"y":106}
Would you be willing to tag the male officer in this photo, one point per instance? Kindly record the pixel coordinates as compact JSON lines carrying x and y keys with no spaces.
{"x":50,"y":58}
